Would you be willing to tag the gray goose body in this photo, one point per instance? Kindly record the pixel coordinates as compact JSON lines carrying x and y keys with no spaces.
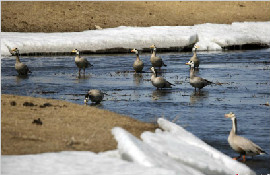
{"x":194,"y":58}
{"x":95,"y":95}
{"x":21,"y":68}
{"x":159,"y":82}
{"x":81,"y":62}
{"x":138,"y":64}
{"x":195,"y":81}
{"x":156,"y":61}
{"x":239,"y":144}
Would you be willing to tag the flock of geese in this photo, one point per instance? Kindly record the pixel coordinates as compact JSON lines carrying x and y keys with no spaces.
{"x":241,"y":145}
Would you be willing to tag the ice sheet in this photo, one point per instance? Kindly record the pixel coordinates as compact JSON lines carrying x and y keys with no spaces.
{"x":184,"y":147}
{"x":170,"y":151}
{"x":74,"y":162}
{"x":207,"y":36}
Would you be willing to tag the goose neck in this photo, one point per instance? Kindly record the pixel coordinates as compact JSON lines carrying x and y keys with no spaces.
{"x":234,"y":126}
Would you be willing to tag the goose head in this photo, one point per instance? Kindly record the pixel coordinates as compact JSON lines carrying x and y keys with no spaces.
{"x":15,"y":50}
{"x":153,"y":47}
{"x":231,"y":115}
{"x":195,"y":47}
{"x":86,"y":99}
{"x":76,"y":50}
{"x":191,"y":63}
{"x":135,"y":51}
{"x":153,"y":70}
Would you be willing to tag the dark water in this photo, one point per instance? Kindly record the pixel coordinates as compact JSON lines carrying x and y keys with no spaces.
{"x":244,"y":78}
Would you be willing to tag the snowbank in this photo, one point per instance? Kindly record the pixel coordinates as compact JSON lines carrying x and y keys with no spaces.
{"x":208,"y":37}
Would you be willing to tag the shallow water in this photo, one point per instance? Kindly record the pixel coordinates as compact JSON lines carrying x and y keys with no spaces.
{"x":244,"y":87}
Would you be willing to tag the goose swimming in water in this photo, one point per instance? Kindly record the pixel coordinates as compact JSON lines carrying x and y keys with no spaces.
{"x":20,"y":67}
{"x":194,"y":58}
{"x":159,"y":82}
{"x":81,"y":62}
{"x":239,"y":144}
{"x":156,"y":61}
{"x":95,"y":95}
{"x":138,"y":64}
{"x":195,"y":81}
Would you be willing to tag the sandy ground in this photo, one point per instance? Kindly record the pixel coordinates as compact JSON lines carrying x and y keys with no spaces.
{"x":65,"y":126}
{"x":82,"y":15}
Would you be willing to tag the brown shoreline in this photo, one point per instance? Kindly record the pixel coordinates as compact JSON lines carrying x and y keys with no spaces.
{"x":65,"y":126}
{"x":53,"y":16}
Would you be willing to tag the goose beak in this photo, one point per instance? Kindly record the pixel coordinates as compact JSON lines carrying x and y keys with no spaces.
{"x":187,"y":64}
{"x":153,"y":46}
{"x":73,"y":50}
{"x":133,"y":50}
{"x":13,"y":49}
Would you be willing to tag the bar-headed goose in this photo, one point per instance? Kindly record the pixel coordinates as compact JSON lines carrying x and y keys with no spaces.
{"x":194,"y":58}
{"x":159,"y":82}
{"x":138,"y":64}
{"x":195,"y":81}
{"x":241,"y":145}
{"x":20,"y":67}
{"x":95,"y":95}
{"x":156,"y":61}
{"x":81,"y":62}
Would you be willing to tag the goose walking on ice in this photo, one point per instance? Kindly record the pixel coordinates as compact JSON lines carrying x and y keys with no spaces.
{"x":156,"y":61}
{"x":20,"y":67}
{"x":159,"y":82}
{"x":195,"y":81}
{"x":194,"y":58}
{"x":81,"y":62}
{"x":95,"y":95}
{"x":138,"y":64}
{"x":241,"y":145}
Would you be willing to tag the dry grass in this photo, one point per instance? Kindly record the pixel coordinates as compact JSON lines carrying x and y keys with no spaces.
{"x":30,"y":16}
{"x":65,"y":126}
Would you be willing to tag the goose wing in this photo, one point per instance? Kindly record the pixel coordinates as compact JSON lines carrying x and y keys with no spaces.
{"x":247,"y":145}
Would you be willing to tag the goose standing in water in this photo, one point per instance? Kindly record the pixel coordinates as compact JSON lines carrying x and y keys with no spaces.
{"x":240,"y":144}
{"x":195,"y":81}
{"x":20,"y":67}
{"x":81,"y":62}
{"x":138,"y":64}
{"x":159,"y":82}
{"x":156,"y":61}
{"x":95,"y":95}
{"x":194,"y":58}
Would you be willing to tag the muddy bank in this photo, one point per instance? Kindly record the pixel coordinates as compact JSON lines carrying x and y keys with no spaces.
{"x":62,"y":126}
{"x":79,"y":16}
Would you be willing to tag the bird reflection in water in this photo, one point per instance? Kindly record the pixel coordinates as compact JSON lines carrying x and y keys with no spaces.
{"x":196,"y":97}
{"x":20,"y":78}
{"x":157,"y":94}
{"x":137,"y":78}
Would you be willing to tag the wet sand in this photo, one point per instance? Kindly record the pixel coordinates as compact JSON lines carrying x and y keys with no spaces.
{"x":65,"y":126}
{"x":79,"y":16}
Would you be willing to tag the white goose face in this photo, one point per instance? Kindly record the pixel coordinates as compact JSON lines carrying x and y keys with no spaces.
{"x":196,"y":46}
{"x":135,"y":51}
{"x":153,"y":46}
{"x":75,"y":50}
{"x":153,"y":69}
{"x":230,"y":115}
{"x":191,"y":63}
{"x":15,"y":50}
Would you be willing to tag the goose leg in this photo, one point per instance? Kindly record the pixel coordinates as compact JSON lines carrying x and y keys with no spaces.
{"x":244,"y":158}
{"x":79,"y":72}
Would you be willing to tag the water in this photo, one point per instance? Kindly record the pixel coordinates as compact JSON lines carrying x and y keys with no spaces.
{"x":244,"y":78}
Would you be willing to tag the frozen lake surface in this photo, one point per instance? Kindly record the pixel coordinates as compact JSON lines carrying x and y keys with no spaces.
{"x":242,"y":78}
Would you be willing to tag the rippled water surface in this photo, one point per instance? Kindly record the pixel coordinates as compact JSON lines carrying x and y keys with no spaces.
{"x":242,"y":86}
